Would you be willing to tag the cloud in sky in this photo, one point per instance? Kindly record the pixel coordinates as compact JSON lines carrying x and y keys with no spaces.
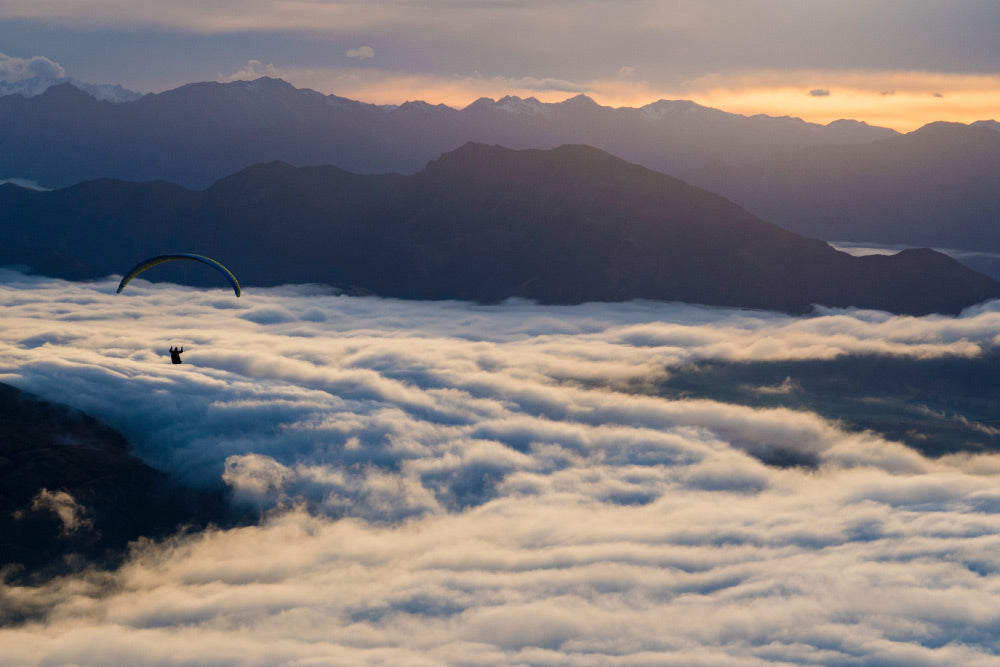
{"x":254,"y":69}
{"x":70,"y":513}
{"x":819,"y":92}
{"x":548,"y":85}
{"x":23,"y":182}
{"x":361,"y":52}
{"x":459,"y":484}
{"x":627,"y":72}
{"x":18,"y":69}
{"x":696,"y":36}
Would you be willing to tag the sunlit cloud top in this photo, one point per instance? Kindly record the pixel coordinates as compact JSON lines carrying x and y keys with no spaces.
{"x":896,"y":62}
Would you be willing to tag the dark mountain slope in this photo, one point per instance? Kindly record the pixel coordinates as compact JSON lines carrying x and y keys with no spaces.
{"x":936,"y":186}
{"x":69,"y":231}
{"x":485,"y":223}
{"x":70,"y":489}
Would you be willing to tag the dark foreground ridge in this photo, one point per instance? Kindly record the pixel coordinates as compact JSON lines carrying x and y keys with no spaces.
{"x":482,"y":223}
{"x":71,"y":495}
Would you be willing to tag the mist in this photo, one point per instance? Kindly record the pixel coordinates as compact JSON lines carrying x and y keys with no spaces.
{"x":441,"y":483}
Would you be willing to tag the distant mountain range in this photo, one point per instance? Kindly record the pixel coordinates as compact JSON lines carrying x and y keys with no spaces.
{"x":937,"y":186}
{"x":845,"y":181}
{"x":482,"y":223}
{"x":200,"y":132}
{"x":37,"y":85}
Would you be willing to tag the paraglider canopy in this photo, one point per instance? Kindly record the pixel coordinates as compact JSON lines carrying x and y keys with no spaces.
{"x":160,"y":259}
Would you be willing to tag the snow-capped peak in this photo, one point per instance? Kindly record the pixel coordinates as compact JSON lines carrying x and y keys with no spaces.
{"x":38,"y":85}
{"x":516,"y":105}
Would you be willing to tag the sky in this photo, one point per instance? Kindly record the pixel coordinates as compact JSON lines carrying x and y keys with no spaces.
{"x":894,"y":63}
{"x":452,"y":484}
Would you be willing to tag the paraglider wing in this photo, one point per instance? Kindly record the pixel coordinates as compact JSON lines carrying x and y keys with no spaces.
{"x":160,"y":259}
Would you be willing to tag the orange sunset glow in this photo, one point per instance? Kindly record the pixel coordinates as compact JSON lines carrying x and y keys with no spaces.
{"x":903,"y":101}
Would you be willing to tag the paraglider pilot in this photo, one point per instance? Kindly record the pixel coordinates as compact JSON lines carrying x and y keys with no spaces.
{"x":175,"y":354}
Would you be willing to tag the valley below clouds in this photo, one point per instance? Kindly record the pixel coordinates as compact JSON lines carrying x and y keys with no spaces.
{"x":443,"y":483}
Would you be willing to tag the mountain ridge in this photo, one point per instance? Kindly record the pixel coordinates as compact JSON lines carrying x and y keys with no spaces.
{"x":481,"y":223}
{"x":37,"y":85}
{"x":839,"y":182}
{"x":199,"y":132}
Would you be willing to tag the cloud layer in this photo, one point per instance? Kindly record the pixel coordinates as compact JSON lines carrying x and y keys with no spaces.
{"x":452,"y":484}
{"x":684,"y":36}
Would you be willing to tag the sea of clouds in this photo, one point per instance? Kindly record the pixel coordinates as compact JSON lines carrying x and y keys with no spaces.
{"x":452,"y":484}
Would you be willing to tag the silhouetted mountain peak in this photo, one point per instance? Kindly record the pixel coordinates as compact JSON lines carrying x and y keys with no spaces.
{"x":267,"y":84}
{"x":500,"y":164}
{"x":39,"y":84}
{"x":257,"y":177}
{"x":511,"y":105}
{"x":944,"y":137}
{"x":468,"y":158}
{"x":578,"y":103}
{"x":420,"y":106}
{"x":847,"y":123}
{"x":856,"y":131}
{"x":516,"y":105}
{"x":66,"y":93}
{"x":861,"y":128}
{"x":939,"y":127}
{"x":271,"y":169}
{"x":481,"y":104}
{"x":246,"y":92}
{"x":15,"y":186}
{"x":945,"y":131}
{"x":991,"y":124}
{"x":671,"y":108}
